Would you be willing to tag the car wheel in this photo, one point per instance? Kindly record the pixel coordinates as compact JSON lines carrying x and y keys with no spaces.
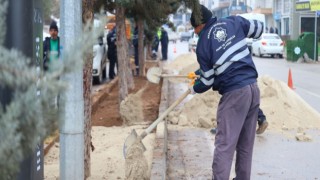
{"x":104,"y":73}
{"x":272,"y":55}
{"x":280,"y":56}
{"x":98,"y":80}
{"x":260,"y":55}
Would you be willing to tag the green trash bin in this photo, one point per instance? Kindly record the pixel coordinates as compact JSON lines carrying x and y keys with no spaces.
{"x":294,"y":49}
{"x":307,"y":40}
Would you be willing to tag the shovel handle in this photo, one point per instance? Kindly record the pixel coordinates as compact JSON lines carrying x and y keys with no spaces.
{"x":165,"y":113}
{"x":175,"y":76}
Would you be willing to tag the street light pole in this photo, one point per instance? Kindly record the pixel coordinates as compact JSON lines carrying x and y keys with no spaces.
{"x":72,"y":112}
{"x":315,"y":36}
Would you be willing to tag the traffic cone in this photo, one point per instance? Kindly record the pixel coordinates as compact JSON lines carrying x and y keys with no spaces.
{"x":174,"y":49}
{"x":290,"y":83}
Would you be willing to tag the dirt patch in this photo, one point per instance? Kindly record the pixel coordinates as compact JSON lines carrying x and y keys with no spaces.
{"x":107,"y":114}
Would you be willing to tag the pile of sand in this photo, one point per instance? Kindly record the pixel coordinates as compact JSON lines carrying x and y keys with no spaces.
{"x":182,"y":65}
{"x":284,"y":109}
{"x":181,"y":62}
{"x":131,"y":109}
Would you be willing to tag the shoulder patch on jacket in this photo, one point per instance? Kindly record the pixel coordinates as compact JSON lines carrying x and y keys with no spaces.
{"x":220,"y":34}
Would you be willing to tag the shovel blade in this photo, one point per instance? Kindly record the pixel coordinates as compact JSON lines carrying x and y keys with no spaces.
{"x":132,"y":138}
{"x":154,"y":75}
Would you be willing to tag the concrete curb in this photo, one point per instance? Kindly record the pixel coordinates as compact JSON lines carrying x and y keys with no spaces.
{"x":107,"y":88}
{"x":159,"y":162}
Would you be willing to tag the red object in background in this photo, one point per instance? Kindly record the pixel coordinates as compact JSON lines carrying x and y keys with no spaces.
{"x":290,"y":83}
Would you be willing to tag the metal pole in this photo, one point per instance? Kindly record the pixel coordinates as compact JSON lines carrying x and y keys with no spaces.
{"x":315,"y":36}
{"x":72,"y":124}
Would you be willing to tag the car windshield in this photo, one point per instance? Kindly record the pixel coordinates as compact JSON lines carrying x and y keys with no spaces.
{"x":271,"y":37}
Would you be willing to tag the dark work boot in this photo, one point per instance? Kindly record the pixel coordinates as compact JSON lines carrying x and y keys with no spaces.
{"x":263,"y":124}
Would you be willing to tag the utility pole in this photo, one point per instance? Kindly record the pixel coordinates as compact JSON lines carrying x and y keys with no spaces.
{"x":72,"y":112}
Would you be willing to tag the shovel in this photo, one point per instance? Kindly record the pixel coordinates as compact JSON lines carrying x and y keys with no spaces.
{"x":155,"y":73}
{"x":133,"y":136}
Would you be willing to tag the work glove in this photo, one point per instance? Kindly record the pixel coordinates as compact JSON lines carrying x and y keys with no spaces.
{"x":192,"y":75}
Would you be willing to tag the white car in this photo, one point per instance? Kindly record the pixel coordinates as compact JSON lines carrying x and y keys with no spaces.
{"x":99,"y":65}
{"x":268,"y":44}
{"x":173,"y":36}
{"x":193,"y":41}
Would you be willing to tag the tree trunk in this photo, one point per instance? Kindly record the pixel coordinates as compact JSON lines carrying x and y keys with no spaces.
{"x":122,"y":54}
{"x":87,"y":17}
{"x":141,"y":47}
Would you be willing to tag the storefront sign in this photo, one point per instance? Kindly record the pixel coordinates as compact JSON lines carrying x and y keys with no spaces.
{"x":303,"y":6}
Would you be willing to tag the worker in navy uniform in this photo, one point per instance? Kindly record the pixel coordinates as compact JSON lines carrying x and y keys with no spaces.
{"x":226,"y":66}
{"x":135,"y":42}
{"x":164,"y":39}
{"x":112,"y":52}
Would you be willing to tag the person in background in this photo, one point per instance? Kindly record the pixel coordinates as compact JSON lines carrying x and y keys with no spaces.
{"x":51,"y":46}
{"x":135,"y":41}
{"x":226,"y":66}
{"x":276,"y":30}
{"x":155,"y":46}
{"x":112,"y":51}
{"x":271,"y":30}
{"x":164,"y":43}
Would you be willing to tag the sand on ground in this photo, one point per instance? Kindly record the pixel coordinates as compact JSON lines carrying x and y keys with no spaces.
{"x":107,"y":160}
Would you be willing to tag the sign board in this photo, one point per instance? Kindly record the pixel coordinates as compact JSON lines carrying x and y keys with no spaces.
{"x":303,"y":6}
{"x":312,"y":5}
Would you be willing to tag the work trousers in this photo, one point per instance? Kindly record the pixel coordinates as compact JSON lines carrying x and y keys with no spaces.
{"x":136,"y":59}
{"x":113,"y":60}
{"x":164,"y":51}
{"x":236,"y":124}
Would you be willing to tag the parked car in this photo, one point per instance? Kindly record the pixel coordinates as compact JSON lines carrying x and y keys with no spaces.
{"x":99,"y":65}
{"x":185,"y":36}
{"x":268,"y":44}
{"x":192,"y":43}
{"x":173,"y":36}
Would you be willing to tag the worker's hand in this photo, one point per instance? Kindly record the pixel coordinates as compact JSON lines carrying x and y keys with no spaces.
{"x":192,"y":82}
{"x":192,"y":75}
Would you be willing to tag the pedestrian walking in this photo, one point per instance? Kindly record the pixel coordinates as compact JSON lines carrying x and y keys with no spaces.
{"x":164,"y":43}
{"x":112,"y":52}
{"x":51,"y":46}
{"x":226,"y":66}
